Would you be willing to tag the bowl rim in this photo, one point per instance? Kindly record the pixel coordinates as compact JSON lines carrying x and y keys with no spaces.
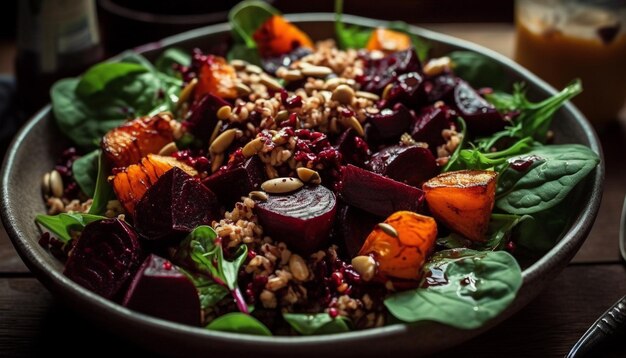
{"x":86,"y":300}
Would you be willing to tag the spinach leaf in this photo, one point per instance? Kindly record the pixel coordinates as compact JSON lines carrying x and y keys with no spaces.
{"x":454,"y":241}
{"x":165,"y":62}
{"x":242,"y":52}
{"x":246,"y":17}
{"x":238,"y":322}
{"x":475,"y":287}
{"x":499,"y":231}
{"x":349,"y":36}
{"x":208,"y":257}
{"x":209,"y":291}
{"x":478,"y":69}
{"x":62,"y":225}
{"x":555,"y":171}
{"x":313,"y":324}
{"x":476,"y":160}
{"x":452,"y":162}
{"x":85,"y":172}
{"x":98,"y":77}
{"x":103,"y":192}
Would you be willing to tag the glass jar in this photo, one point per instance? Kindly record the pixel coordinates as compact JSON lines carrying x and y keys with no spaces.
{"x":560,"y":40}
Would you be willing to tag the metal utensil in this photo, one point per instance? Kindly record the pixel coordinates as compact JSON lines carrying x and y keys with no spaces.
{"x":613,"y":321}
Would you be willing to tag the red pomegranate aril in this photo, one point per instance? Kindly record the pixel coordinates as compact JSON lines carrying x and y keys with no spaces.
{"x":333,"y":312}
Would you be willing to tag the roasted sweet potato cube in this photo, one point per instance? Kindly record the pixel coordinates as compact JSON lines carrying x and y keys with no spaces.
{"x":463,"y":200}
{"x":277,"y":36}
{"x":130,"y":185}
{"x":216,"y":77}
{"x":401,"y":245}
{"x":388,"y":40}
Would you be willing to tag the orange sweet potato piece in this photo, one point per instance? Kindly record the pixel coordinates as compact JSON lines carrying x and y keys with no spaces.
{"x":401,"y":256}
{"x":463,"y":200}
{"x":216,"y":77}
{"x":128,"y":143}
{"x":278,"y":37}
{"x":130,"y":185}
{"x":388,"y":40}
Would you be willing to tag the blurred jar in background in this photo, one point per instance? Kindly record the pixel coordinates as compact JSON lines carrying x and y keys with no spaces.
{"x":56,"y":39}
{"x":560,"y":40}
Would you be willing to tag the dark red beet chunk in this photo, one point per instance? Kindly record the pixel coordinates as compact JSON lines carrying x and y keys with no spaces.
{"x":302,"y":220}
{"x":159,"y":289}
{"x":377,"y":194}
{"x":203,"y":116}
{"x":353,"y":226}
{"x":230,"y":184}
{"x":411,"y":165}
{"x":105,"y":256}
{"x":440,"y":88}
{"x":481,"y":117}
{"x":408,"y":89}
{"x":429,"y":123}
{"x":174,"y":206}
{"x":353,"y":148}
{"x":391,"y":123}
{"x":378,"y":73}
{"x":271,"y":64}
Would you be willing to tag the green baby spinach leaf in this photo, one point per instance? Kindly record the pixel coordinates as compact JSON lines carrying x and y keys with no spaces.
{"x":209,"y":292}
{"x":103,"y":192}
{"x":246,"y":17}
{"x":554,"y":172}
{"x":85,"y":172}
{"x":499,"y":231}
{"x":479,"y":70}
{"x":242,"y":52}
{"x":238,"y":322}
{"x":314,"y":324}
{"x":98,"y":77}
{"x":62,"y":225}
{"x":165,"y":63}
{"x":473,"y":288}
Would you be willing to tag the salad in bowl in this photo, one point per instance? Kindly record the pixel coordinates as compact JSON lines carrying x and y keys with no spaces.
{"x":289,"y":187}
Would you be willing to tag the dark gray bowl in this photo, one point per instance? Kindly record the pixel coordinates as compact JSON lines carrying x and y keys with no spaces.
{"x":38,"y":144}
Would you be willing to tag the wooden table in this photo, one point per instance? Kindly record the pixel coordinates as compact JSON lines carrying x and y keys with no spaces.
{"x":32,"y":322}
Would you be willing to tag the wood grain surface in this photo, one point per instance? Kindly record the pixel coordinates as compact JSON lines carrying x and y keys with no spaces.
{"x":33,"y":323}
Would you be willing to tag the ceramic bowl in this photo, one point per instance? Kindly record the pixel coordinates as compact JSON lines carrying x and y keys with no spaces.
{"x":39,"y":142}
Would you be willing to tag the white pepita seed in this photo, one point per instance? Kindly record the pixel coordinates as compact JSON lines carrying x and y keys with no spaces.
{"x":186,"y":92}
{"x":250,"y":68}
{"x":282,"y":185}
{"x":216,"y":161}
{"x":258,"y":195}
{"x":365,"y":266}
{"x":242,"y":89}
{"x":45,"y":184}
{"x":343,"y":94}
{"x":292,"y":75}
{"x":215,"y":132}
{"x":388,"y":229}
{"x":352,"y":122}
{"x":253,"y":147}
{"x":223,"y":141}
{"x":238,"y":64}
{"x":281,"y":116}
{"x":367,"y":95}
{"x":387,"y":90}
{"x":270,"y":83}
{"x":56,"y":184}
{"x":168,"y":149}
{"x":316,"y":71}
{"x":437,"y":66}
{"x":224,"y":112}
{"x":309,"y":175}
{"x":298,"y":267}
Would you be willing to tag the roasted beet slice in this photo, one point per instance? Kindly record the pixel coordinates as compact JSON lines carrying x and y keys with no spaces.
{"x":391,"y":123}
{"x":411,"y":165}
{"x":408,"y":89}
{"x":353,"y":226}
{"x":377,"y":194}
{"x":203,"y":116}
{"x":174,"y":206}
{"x":379,"y":72}
{"x":302,"y":220}
{"x":440,"y":88}
{"x":105,"y":256}
{"x":230,"y":184}
{"x":481,"y":117}
{"x":353,"y":149}
{"x":429,"y":123}
{"x":159,"y":289}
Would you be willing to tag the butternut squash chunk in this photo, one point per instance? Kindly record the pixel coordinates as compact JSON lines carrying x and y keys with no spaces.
{"x":388,"y":40}
{"x":278,"y":37}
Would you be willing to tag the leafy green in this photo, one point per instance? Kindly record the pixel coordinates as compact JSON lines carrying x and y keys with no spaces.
{"x":539,"y":232}
{"x":85,"y":172}
{"x":208,"y":256}
{"x":238,"y":322}
{"x":475,"y":159}
{"x":314,"y":324}
{"x":103,"y":192}
{"x":62,"y":225}
{"x":246,"y":17}
{"x":476,"y":287}
{"x":165,"y":62}
{"x":479,"y":70}
{"x":555,"y":171}
{"x":209,"y":291}
{"x":98,"y":77}
{"x":499,"y":231}
{"x":240,"y":51}
{"x":533,"y":120}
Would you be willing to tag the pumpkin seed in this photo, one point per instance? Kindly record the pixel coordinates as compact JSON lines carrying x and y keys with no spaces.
{"x":253,"y":147}
{"x":238,"y":64}
{"x":45,"y":184}
{"x":282,"y":185}
{"x":388,"y":229}
{"x":343,"y":94}
{"x":56,"y":184}
{"x":250,"y":68}
{"x":216,"y":161}
{"x":242,"y":89}
{"x":309,"y":175}
{"x":224,"y":112}
{"x":258,"y":195}
{"x":223,"y":141}
{"x":168,"y":149}
{"x":281,"y":116}
{"x":437,"y":66}
{"x":387,"y":90}
{"x":316,"y":71}
{"x":293,"y":75}
{"x":270,"y":83}
{"x":352,"y":122}
{"x":365,"y":266}
{"x":186,"y":92}
{"x":367,"y":95}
